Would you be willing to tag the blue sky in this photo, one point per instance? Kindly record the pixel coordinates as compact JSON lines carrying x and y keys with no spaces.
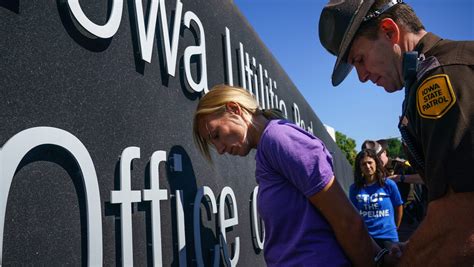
{"x":289,"y":28}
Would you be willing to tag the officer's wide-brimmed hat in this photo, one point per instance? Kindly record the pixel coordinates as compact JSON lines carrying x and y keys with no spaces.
{"x":378,"y":146}
{"x":383,"y":143}
{"x":338,"y":24}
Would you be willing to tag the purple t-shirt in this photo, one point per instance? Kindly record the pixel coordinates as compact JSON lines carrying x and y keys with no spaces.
{"x":293,"y":165}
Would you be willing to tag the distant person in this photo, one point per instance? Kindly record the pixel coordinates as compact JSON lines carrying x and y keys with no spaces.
{"x":308,"y":219}
{"x":377,"y":198}
{"x":409,"y":183}
{"x":387,"y":44}
{"x":395,"y":168}
{"x":414,"y":196}
{"x":380,"y":148}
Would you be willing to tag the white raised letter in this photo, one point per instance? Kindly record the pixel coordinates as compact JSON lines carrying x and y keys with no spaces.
{"x":256,"y":220}
{"x":228,"y":57}
{"x":255,"y":79}
{"x":262,"y":88}
{"x":196,"y":50}
{"x":268,"y":105}
{"x":146,"y":37}
{"x":283,"y":108}
{"x":242,"y":65}
{"x":126,"y":196}
{"x":181,"y":228}
{"x":296,"y":115}
{"x":103,"y":31}
{"x":155,"y":195}
{"x":249,"y":72}
{"x":171,"y":50}
{"x":233,"y":220}
{"x":20,"y":144}
{"x":203,"y":191}
{"x":273,"y":103}
{"x":310,"y":127}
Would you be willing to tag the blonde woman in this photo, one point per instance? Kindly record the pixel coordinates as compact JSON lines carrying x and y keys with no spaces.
{"x":309,"y":221}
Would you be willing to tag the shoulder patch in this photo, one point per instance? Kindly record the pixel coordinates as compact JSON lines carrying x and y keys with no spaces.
{"x":435,"y":96}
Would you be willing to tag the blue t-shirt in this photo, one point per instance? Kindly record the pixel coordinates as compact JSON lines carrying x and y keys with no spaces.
{"x":376,"y":205}
{"x":293,"y":165}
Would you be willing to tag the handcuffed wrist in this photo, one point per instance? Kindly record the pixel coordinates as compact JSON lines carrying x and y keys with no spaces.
{"x":379,"y":257}
{"x":402,"y":178}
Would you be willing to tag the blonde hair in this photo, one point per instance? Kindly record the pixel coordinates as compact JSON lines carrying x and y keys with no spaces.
{"x":214,"y":102}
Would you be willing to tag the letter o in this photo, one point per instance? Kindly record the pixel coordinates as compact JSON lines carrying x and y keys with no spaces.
{"x":20,"y":144}
{"x":103,"y":31}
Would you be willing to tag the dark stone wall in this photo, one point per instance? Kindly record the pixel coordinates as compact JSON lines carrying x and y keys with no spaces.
{"x":55,"y":74}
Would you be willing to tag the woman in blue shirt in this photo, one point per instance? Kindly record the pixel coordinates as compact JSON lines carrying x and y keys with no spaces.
{"x":377,"y":198}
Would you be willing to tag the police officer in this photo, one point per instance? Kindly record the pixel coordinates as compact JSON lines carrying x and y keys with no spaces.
{"x":387,"y":44}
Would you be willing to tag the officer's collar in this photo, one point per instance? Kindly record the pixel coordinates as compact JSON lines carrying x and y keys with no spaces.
{"x":427,"y":42}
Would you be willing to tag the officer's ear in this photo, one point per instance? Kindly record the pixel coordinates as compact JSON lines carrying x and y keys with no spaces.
{"x":390,"y":30}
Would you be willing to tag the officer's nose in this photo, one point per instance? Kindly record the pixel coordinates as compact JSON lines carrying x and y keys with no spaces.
{"x":362,"y":73}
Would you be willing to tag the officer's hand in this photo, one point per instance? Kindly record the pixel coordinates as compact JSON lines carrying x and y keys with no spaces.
{"x":395,"y":178}
{"x":396,"y":251}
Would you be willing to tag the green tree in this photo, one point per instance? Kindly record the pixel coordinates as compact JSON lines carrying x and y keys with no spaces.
{"x":347,"y":145}
{"x":394,"y":148}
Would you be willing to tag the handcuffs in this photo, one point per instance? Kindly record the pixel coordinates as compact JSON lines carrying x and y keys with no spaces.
{"x":379,"y":257}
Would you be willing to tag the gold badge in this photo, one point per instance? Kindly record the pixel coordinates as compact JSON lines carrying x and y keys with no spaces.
{"x":435,"y":96}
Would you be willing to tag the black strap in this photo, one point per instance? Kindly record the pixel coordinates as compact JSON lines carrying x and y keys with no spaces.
{"x":410,"y":67}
